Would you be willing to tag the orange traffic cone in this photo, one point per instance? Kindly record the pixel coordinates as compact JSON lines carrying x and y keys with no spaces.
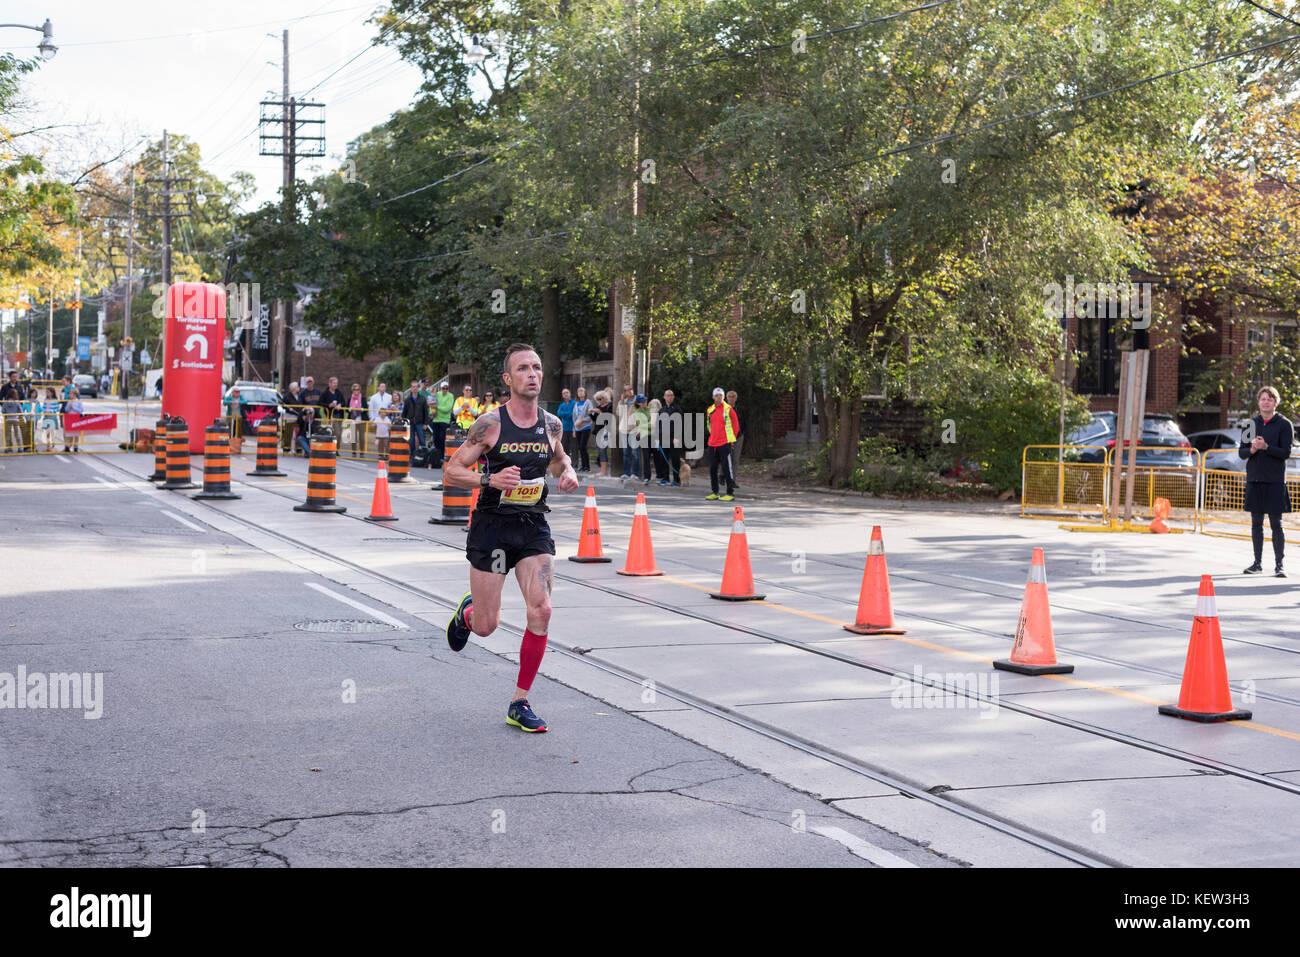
{"x":875,"y":611}
{"x":1034,"y":651}
{"x":589,"y":549}
{"x":640,"y":552}
{"x":381,"y":509}
{"x":737,"y":579}
{"x":1205,"y":695}
{"x":1160,"y":512}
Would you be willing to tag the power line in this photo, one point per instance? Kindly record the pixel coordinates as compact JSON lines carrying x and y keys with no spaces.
{"x":190,"y":33}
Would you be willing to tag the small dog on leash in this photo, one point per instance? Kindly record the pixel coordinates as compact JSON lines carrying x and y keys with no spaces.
{"x":684,"y":475}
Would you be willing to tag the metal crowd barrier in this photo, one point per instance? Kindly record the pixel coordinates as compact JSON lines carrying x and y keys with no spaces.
{"x":1201,"y":497}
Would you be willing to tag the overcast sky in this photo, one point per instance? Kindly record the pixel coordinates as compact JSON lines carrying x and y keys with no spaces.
{"x":137,"y":67}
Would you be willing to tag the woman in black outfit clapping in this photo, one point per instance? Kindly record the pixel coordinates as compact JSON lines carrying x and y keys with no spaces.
{"x":1266,"y":452}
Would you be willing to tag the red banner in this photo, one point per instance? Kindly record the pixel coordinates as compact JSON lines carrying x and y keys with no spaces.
{"x":106,"y":422}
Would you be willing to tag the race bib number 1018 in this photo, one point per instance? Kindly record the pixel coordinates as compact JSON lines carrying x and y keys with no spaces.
{"x":527,"y":492}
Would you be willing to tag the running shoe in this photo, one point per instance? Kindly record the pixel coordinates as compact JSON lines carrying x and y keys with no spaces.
{"x":662,"y":482}
{"x":1278,"y":572}
{"x":711,"y":497}
{"x":522,"y":717}
{"x":457,"y":630}
{"x":726,"y":498}
{"x":1254,"y":569}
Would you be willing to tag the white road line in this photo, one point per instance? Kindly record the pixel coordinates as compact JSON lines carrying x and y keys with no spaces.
{"x":373,"y":612}
{"x":183,"y":521}
{"x":869,"y":852}
{"x":99,"y":478}
{"x":63,"y":458}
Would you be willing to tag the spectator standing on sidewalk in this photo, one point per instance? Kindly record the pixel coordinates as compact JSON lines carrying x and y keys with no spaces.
{"x":626,"y":428}
{"x":605,"y":437}
{"x":740,"y":434}
{"x":721,"y":419}
{"x":466,"y":409}
{"x":333,"y":406}
{"x":583,"y":412}
{"x":381,"y":405}
{"x":641,"y":435}
{"x":565,"y":412}
{"x":671,"y":425}
{"x":72,"y":437}
{"x":440,"y":405}
{"x":49,"y":418}
{"x":1266,"y":492}
{"x":415,"y":410}
{"x":12,"y":395}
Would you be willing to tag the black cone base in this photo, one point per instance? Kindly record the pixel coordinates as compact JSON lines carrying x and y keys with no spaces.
{"x":449,"y":519}
{"x":380,"y":518}
{"x":588,"y":561}
{"x":320,"y":508}
{"x":216,"y":495}
{"x":719,"y":595}
{"x":265,"y":473}
{"x":1175,"y":712}
{"x":1008,"y":665}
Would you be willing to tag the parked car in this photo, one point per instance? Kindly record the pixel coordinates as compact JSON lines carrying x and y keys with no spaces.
{"x":87,"y":385}
{"x":1163,"y":447}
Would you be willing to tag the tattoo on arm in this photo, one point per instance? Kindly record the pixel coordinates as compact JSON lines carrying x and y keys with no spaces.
{"x":478,"y":431}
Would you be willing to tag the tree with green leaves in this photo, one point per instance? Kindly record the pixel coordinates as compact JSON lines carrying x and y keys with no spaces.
{"x":876,"y":197}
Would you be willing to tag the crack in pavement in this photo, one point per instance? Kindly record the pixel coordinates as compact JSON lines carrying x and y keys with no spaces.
{"x":245,"y":845}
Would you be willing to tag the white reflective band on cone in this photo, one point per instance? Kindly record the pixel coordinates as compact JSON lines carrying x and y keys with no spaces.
{"x":1037,"y":575}
{"x":1205,"y":607}
{"x":877,"y":547}
{"x":640,"y":509}
{"x":591,"y":501}
{"x":738,"y":527}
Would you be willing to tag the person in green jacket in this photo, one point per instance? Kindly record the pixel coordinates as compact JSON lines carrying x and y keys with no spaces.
{"x":440,"y":405}
{"x":641,"y":435}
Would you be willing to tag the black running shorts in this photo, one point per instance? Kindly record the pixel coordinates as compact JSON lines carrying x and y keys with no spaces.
{"x":497,"y":542}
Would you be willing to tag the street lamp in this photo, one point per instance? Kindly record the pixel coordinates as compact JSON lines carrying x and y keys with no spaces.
{"x":47,"y":47}
{"x":478,"y":52}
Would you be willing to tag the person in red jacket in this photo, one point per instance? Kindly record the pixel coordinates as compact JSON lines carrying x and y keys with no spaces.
{"x":723,"y":428}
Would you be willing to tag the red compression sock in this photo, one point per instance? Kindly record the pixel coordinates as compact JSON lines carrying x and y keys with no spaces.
{"x":530,"y":658}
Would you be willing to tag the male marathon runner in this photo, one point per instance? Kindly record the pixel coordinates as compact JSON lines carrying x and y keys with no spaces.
{"x":508,"y":528}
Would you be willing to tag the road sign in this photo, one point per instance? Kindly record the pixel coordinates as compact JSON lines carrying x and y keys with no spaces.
{"x":83,"y":347}
{"x":126,"y":361}
{"x":301,"y":341}
{"x":145,"y":358}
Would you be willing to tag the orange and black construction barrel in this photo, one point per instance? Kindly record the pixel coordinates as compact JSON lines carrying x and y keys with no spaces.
{"x":216,"y":463}
{"x":399,"y":452}
{"x":178,"y":455}
{"x":268,"y":435}
{"x":321,"y":467}
{"x":456,"y":502}
{"x":454,"y":440}
{"x":160,"y":451}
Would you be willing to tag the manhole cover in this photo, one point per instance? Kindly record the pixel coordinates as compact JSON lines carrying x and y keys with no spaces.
{"x":351,"y":625}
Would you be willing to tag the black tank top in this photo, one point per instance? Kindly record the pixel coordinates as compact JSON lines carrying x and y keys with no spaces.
{"x":530,"y":450}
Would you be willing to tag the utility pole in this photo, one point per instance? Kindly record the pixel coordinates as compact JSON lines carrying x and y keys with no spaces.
{"x":76,"y":316}
{"x":126,"y":312}
{"x":289,"y":144}
{"x":167,"y":216}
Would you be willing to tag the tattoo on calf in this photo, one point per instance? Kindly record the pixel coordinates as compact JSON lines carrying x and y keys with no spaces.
{"x":546,"y":574}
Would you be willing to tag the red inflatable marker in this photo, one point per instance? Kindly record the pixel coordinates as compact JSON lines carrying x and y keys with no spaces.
{"x":194,"y":335}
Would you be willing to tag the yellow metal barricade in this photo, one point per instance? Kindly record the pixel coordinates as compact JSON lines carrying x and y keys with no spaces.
{"x":1179,"y":484}
{"x":1059,"y":480}
{"x":1223,"y":504}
